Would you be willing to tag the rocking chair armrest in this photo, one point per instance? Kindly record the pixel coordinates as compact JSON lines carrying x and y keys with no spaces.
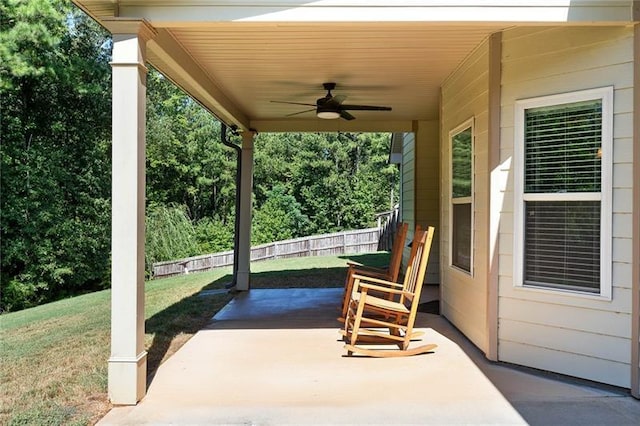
{"x":369,"y":274}
{"x":366,"y":287}
{"x":378,"y":281}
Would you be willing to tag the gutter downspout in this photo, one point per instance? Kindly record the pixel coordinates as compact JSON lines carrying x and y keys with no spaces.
{"x":236,"y":231}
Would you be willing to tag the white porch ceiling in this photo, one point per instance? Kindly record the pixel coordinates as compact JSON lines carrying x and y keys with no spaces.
{"x":235,"y":57}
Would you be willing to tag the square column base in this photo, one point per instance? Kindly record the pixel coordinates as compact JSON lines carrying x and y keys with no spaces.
{"x":242,"y":280}
{"x":127,"y":379}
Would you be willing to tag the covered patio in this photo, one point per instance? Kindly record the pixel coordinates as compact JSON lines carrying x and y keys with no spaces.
{"x":274,"y":357}
{"x":259,"y":67}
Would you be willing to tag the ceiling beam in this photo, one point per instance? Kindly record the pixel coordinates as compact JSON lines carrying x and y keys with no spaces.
{"x":202,"y":12}
{"x":320,"y":125}
{"x":168,"y":56}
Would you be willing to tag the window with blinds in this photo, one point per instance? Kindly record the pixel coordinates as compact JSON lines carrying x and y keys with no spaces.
{"x":461,"y":212}
{"x":562,"y":244}
{"x":562,"y":148}
{"x":560,"y":195}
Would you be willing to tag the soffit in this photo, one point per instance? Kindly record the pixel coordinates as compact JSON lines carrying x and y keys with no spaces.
{"x":397,"y":65}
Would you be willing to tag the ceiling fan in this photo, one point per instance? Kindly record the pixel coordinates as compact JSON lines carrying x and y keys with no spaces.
{"x":330,"y":107}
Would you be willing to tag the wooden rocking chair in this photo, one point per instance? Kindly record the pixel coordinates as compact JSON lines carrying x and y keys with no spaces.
{"x":369,"y":317}
{"x":390,"y":273}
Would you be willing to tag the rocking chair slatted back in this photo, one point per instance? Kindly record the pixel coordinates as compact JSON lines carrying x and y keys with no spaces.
{"x":390,"y":274}
{"x":413,"y":288}
{"x":397,"y":249}
{"x":368,"y":314}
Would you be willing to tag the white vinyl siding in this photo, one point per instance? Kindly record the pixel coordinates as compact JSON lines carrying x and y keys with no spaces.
{"x":408,"y":188}
{"x":420,"y":190}
{"x":465,"y":94}
{"x":582,"y":336}
{"x":427,"y":190}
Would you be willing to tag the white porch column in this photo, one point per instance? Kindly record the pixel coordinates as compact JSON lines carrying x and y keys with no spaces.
{"x":128,"y":361}
{"x":246,"y":192}
{"x":496,"y":183}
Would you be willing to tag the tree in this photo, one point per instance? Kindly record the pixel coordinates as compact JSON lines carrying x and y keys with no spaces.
{"x":54,"y":156}
{"x":186,"y":162}
{"x":340,"y":180}
{"x":278,"y":218}
{"x":170,"y":234}
{"x":55,"y":164}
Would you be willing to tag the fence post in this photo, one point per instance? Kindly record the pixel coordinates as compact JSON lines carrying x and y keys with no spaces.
{"x":275,"y":251}
{"x":390,"y":227}
{"x":185,"y":268}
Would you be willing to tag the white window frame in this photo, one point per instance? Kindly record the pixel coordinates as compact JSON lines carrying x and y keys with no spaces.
{"x":470,"y":123}
{"x":605,"y":95}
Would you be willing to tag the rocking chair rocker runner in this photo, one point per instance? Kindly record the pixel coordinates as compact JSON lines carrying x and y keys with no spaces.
{"x":368,"y":316}
{"x":390,"y":273}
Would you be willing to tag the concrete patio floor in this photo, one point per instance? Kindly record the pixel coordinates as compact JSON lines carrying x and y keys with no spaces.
{"x":274,"y":357}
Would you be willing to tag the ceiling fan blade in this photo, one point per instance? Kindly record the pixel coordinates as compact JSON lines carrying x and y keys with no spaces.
{"x":365,"y":108}
{"x":346,"y":115}
{"x":300,"y":112}
{"x":331,"y":106}
{"x":292,"y":103}
{"x":339,"y":98}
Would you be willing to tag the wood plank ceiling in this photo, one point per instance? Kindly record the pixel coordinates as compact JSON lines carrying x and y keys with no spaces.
{"x":391,"y":64}
{"x":235,"y":57}
{"x":397,"y":65}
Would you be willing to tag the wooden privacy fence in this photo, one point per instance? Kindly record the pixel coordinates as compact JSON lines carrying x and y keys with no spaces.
{"x":387,"y":223}
{"x":359,"y":241}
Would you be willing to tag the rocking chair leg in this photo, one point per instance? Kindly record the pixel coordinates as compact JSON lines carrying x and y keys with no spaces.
{"x":376,"y":353}
{"x":358,"y":320}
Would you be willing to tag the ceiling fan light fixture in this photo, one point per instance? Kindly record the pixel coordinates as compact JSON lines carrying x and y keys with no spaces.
{"x":328,"y":115}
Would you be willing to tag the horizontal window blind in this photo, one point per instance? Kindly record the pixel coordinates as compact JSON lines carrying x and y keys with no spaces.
{"x":461,"y":231}
{"x":563,"y":148}
{"x":562,"y":244}
{"x":461,"y":237}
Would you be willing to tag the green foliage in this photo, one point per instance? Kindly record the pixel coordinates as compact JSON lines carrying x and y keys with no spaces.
{"x":461,"y":164}
{"x":53,"y":357}
{"x":214,"y":235}
{"x":304,"y":183}
{"x":54,"y":156}
{"x":56,"y":166}
{"x":29,"y":37}
{"x":279,"y":218}
{"x":186,"y":162}
{"x":45,"y":414}
{"x":169,"y":234}
{"x":339,"y":180}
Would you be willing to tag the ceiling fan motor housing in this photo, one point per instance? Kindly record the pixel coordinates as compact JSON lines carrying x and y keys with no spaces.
{"x":327,"y":104}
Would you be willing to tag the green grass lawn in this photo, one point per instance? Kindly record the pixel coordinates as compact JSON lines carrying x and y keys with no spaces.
{"x":53,"y":358}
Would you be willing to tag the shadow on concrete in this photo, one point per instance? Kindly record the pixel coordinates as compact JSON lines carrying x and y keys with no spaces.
{"x":172,"y":326}
{"x":183,"y":318}
{"x":378,"y":259}
{"x":539,"y":398}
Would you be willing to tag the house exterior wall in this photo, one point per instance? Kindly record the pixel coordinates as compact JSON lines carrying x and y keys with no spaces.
{"x":407,"y":170}
{"x":407,"y":188}
{"x":427,"y":189}
{"x":465,"y":96}
{"x":580,"y":336}
{"x":420,"y":188}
